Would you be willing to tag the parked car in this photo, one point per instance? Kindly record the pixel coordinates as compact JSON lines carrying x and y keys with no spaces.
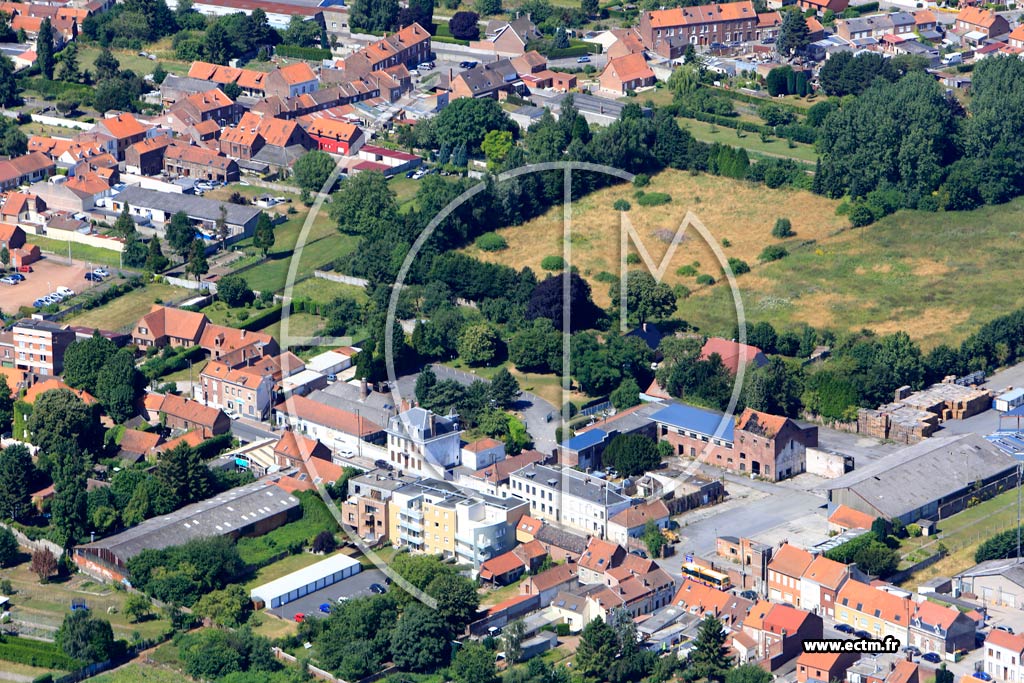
{"x":863,"y":635}
{"x":1005,"y":628}
{"x":583,"y":60}
{"x":102,"y":272}
{"x":8,"y":280}
{"x":24,"y":269}
{"x":93,"y":277}
{"x":842,"y":628}
{"x":913,"y":650}
{"x":325,"y":607}
{"x":38,"y":303}
{"x":980,"y":675}
{"x":931,"y":658}
{"x":425,"y":66}
{"x":378,"y":589}
{"x":753,"y":596}
{"x":638,"y":553}
{"x":299,"y":618}
{"x":467,"y":65}
{"x":18,"y":276}
{"x":65,"y":291}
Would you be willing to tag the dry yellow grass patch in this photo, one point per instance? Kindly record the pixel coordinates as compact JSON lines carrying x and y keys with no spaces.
{"x":923,"y":326}
{"x":740,"y":213}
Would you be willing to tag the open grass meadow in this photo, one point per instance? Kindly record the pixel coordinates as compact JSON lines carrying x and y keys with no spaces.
{"x":773,"y":147}
{"x":124,"y":311}
{"x":739,"y":213}
{"x":136,"y":672}
{"x":936,"y":276}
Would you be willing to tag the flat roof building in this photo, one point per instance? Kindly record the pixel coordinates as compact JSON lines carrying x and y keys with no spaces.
{"x":302,"y":582}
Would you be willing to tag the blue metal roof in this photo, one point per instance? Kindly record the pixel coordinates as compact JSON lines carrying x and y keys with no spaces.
{"x":1014,"y":412}
{"x":585,"y":440}
{"x":698,"y":420}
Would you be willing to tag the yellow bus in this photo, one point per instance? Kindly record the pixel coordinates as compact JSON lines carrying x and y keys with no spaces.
{"x":708,"y":577}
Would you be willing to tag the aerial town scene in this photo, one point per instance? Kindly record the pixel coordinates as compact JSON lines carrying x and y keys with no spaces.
{"x":511,"y":341}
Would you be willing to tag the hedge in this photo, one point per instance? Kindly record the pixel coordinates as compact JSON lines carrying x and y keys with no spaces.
{"x":267,"y":316}
{"x":158,"y":366}
{"x":36,"y":653}
{"x":57,"y":88}
{"x":574,"y":51}
{"x":312,"y":54}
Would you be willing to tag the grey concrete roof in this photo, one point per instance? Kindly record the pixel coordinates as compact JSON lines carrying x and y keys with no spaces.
{"x":416,"y":424}
{"x":572,"y":483}
{"x":235,"y":508}
{"x":197,"y":208}
{"x":925,"y":472}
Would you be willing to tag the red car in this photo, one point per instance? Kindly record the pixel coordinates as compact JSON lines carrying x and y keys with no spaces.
{"x":299,"y":617}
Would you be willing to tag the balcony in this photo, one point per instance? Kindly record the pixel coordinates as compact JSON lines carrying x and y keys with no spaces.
{"x":411,"y":513}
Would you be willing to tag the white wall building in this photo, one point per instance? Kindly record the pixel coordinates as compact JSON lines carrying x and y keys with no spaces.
{"x":578,"y":500}
{"x":424,"y":443}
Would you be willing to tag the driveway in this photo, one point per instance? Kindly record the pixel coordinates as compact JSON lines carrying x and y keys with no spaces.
{"x":356,"y":586}
{"x":46,"y":276}
{"x":533,"y":408}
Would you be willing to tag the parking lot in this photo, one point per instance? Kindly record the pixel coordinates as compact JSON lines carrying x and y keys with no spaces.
{"x":46,"y":276}
{"x":353,"y":587}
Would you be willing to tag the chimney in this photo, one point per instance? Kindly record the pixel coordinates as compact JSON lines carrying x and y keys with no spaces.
{"x":364,"y":389}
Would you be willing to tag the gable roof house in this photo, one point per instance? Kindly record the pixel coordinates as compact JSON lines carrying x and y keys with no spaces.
{"x":11,"y":237}
{"x":976,"y":24}
{"x":550,"y":581}
{"x":250,"y":81}
{"x":185,"y":415}
{"x":165,"y":325}
{"x":625,"y":74}
{"x":941,"y":629}
{"x":291,"y":81}
{"x":876,"y":611}
{"x":25,"y":170}
{"x":335,"y":137}
{"x":235,"y":347}
{"x":631,"y":522}
{"x":821,"y":582}
{"x":701,"y":600}
{"x":820,"y":6}
{"x":212,"y":105}
{"x":21,"y":208}
{"x":124,"y":129}
{"x":271,"y":141}
{"x":485,"y":80}
{"x":785,"y":570}
{"x":192,"y":161}
{"x":817,"y":667}
{"x":147,"y":156}
{"x":733,"y":353}
{"x":409,"y":46}
{"x":780,"y":632}
{"x":599,"y":557}
{"x":667,"y":32}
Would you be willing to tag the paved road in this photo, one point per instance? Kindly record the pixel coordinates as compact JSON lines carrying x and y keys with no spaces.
{"x":249,"y":431}
{"x":533,"y":408}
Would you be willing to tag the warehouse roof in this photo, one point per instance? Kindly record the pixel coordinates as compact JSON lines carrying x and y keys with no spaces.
{"x":217,"y":516}
{"x":196,"y":207}
{"x":682,"y":416}
{"x":925,"y":472}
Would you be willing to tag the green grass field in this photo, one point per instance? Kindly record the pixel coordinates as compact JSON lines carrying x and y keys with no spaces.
{"x":324,"y":291}
{"x":79,"y":252}
{"x":124,"y":311}
{"x":708,"y":132}
{"x":937,"y":276}
{"x":136,"y":673}
{"x":131,"y":60}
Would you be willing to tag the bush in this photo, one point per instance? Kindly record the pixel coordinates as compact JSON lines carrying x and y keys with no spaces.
{"x":641,"y":180}
{"x":686,"y":271}
{"x":633,"y":258}
{"x":705,"y":279}
{"x":738,"y":266}
{"x":36,"y":653}
{"x":783,"y":228}
{"x":311,"y":54}
{"x":552,"y":263}
{"x":621,"y":205}
{"x":773,"y":252}
{"x":861,"y":215}
{"x":913,"y":530}
{"x":491,"y":241}
{"x":653,"y":199}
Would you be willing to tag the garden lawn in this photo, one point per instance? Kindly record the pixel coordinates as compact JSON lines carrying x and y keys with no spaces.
{"x":141,"y":673}
{"x":773,"y":147}
{"x":125,"y":311}
{"x":79,"y":252}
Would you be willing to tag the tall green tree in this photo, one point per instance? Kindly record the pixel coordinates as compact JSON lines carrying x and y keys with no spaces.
{"x":646,"y":298}
{"x":313,"y":169}
{"x":61,"y":421}
{"x":180,"y":235}
{"x":374,"y":15}
{"x":504,"y":389}
{"x":84,"y":359}
{"x":473,"y":663}
{"x":6,"y":406}
{"x":184,"y":473}
{"x":457,"y":601}
{"x":709,"y":659}
{"x":107,"y":66}
{"x":596,"y":651}
{"x":119,"y":384}
{"x":750,"y":673}
{"x":156,"y":262}
{"x":44,"y":49}
{"x":16,"y":472}
{"x":85,"y":637}
{"x":793,"y":33}
{"x":420,"y":640}
{"x":197,"y":265}
{"x":263,"y":237}
{"x":9,"y":549}
{"x":67,"y":70}
{"x":69,"y":507}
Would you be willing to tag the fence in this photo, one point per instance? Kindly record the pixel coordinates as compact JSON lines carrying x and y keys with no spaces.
{"x":343,"y":279}
{"x":41,"y":544}
{"x":904,"y":574}
{"x":63,"y":123}
{"x":314,"y":671}
{"x":201,"y":285}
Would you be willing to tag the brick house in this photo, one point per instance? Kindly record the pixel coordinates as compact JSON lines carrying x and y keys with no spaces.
{"x":767,"y":445}
{"x":25,"y":170}
{"x":125,"y":130}
{"x":785,"y":572}
{"x":819,"y":6}
{"x":599,"y":557}
{"x":508,"y":38}
{"x":190,"y":161}
{"x":940,"y":629}
{"x":550,"y":581}
{"x":39,"y":346}
{"x":779,"y":632}
{"x":335,"y":137}
{"x":984,"y":22}
{"x":291,"y":81}
{"x":164,"y":325}
{"x":11,"y":237}
{"x":733,"y":353}
{"x":667,"y":32}
{"x":703,"y":601}
{"x":212,"y":105}
{"x":185,"y":415}
{"x":817,"y":667}
{"x":236,"y":348}
{"x":409,"y":46}
{"x":254,"y":132}
{"x":147,"y":157}
{"x":240,"y":391}
{"x":631,"y":522}
{"x":820,"y":584}
{"x":625,"y":74}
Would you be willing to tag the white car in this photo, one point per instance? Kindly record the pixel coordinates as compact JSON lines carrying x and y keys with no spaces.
{"x":65,"y":291}
{"x":102,"y":272}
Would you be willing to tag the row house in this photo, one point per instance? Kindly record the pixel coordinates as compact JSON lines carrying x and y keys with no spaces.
{"x":771,"y":446}
{"x":632,"y":522}
{"x":778,"y":632}
{"x":820,"y":584}
{"x":575,"y":499}
{"x":342,"y":431}
{"x":551,"y":581}
{"x":238,"y":391}
{"x":186,"y":415}
{"x":234,"y":347}
{"x":335,"y":137}
{"x":668,"y":31}
{"x":124,"y":130}
{"x":254,"y":132}
{"x":976,"y":24}
{"x":147,"y":157}
{"x":25,"y":170}
{"x":1004,"y":656}
{"x":291,"y":81}
{"x":876,"y":611}
{"x":252,"y":83}
{"x":507,"y":568}
{"x":409,"y":46}
{"x":901,"y":24}
{"x":190,"y":161}
{"x":785,"y":573}
{"x":337,"y":93}
{"x":883,"y":668}
{"x":598,"y":558}
{"x":212,"y":105}
{"x":702,"y":601}
{"x":940,"y":629}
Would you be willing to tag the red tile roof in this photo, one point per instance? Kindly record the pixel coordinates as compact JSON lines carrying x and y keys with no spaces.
{"x":848,"y":518}
{"x":322,"y":414}
{"x":790,"y":561}
{"x":599,"y":555}
{"x":630,"y":67}
{"x":137,"y":441}
{"x":682,"y":16}
{"x":731,"y":352}
{"x":500,"y":565}
{"x":54,"y":384}
{"x":1006,"y":640}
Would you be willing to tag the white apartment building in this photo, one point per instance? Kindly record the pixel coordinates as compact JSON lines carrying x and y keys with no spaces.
{"x":573,"y":498}
{"x":423,"y":443}
{"x":1003,"y":655}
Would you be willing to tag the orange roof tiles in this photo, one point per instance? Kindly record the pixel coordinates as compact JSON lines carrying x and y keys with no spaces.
{"x":88,"y":183}
{"x":167,"y":321}
{"x":335,"y":418}
{"x":299,"y":72}
{"x":935,"y":614}
{"x":333,"y":129}
{"x":192,"y":438}
{"x":500,"y":565}
{"x":790,"y":561}
{"x":54,"y":384}
{"x":1005,"y":640}
{"x":51,"y":147}
{"x":924,"y":16}
{"x":702,"y":14}
{"x":297,"y":447}
{"x":823,"y":661}
{"x":826,"y":572}
{"x":223,"y":372}
{"x":482,"y":445}
{"x":638,"y":515}
{"x":977,"y":16}
{"x":137,"y":441}
{"x":209,"y":100}
{"x":848,"y":518}
{"x":754,"y":420}
{"x":16,"y":203}
{"x":189,"y":410}
{"x":123,"y":126}
{"x":731,"y":352}
{"x":868,"y":600}
{"x":231,"y":339}
{"x":630,"y":67}
{"x":529,"y":525}
{"x":599,"y":555}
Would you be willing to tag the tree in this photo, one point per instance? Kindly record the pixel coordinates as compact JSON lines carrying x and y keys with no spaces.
{"x":43,"y":564}
{"x":793,"y":33}
{"x":180,"y":235}
{"x":631,"y":454}
{"x":782,"y":229}
{"x":137,"y":607}
{"x":9,"y":550}
{"x":626,"y":395}
{"x":184,"y":473}
{"x":749,"y":673}
{"x":156,"y":262}
{"x":596,"y":652}
{"x":546,"y":301}
{"x":943,"y":675}
{"x":487,"y":7}
{"x":561,"y":41}
{"x":512,"y":638}
{"x":44,"y":49}
{"x":324,"y":542}
{"x":536,"y":348}
{"x":234,"y":290}
{"x":6,"y":406}
{"x":496,"y":145}
{"x":457,"y":601}
{"x":15,"y":478}
{"x":374,"y":15}
{"x":160,"y":74}
{"x":83,"y":361}
{"x":464,"y":26}
{"x":477,"y":344}
{"x":119,"y":384}
{"x":653,"y":539}
{"x":69,"y":511}
{"x":709,"y":658}
{"x":775,"y":388}
{"x":217,"y":46}
{"x":5,"y":256}
{"x":473,"y":663}
{"x":646,"y":298}
{"x":60,"y":420}
{"x":420,"y":640}
{"x":107,"y":66}
{"x":197,"y":265}
{"x":589,"y":7}
{"x":85,"y":637}
{"x":263,"y":236}
{"x":419,"y":12}
{"x":468,"y":120}
{"x":67,"y":104}
{"x":68,"y":69}
{"x":504,"y":389}
{"x":227,"y":607}
{"x":313,"y":169}
{"x":220,"y":226}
